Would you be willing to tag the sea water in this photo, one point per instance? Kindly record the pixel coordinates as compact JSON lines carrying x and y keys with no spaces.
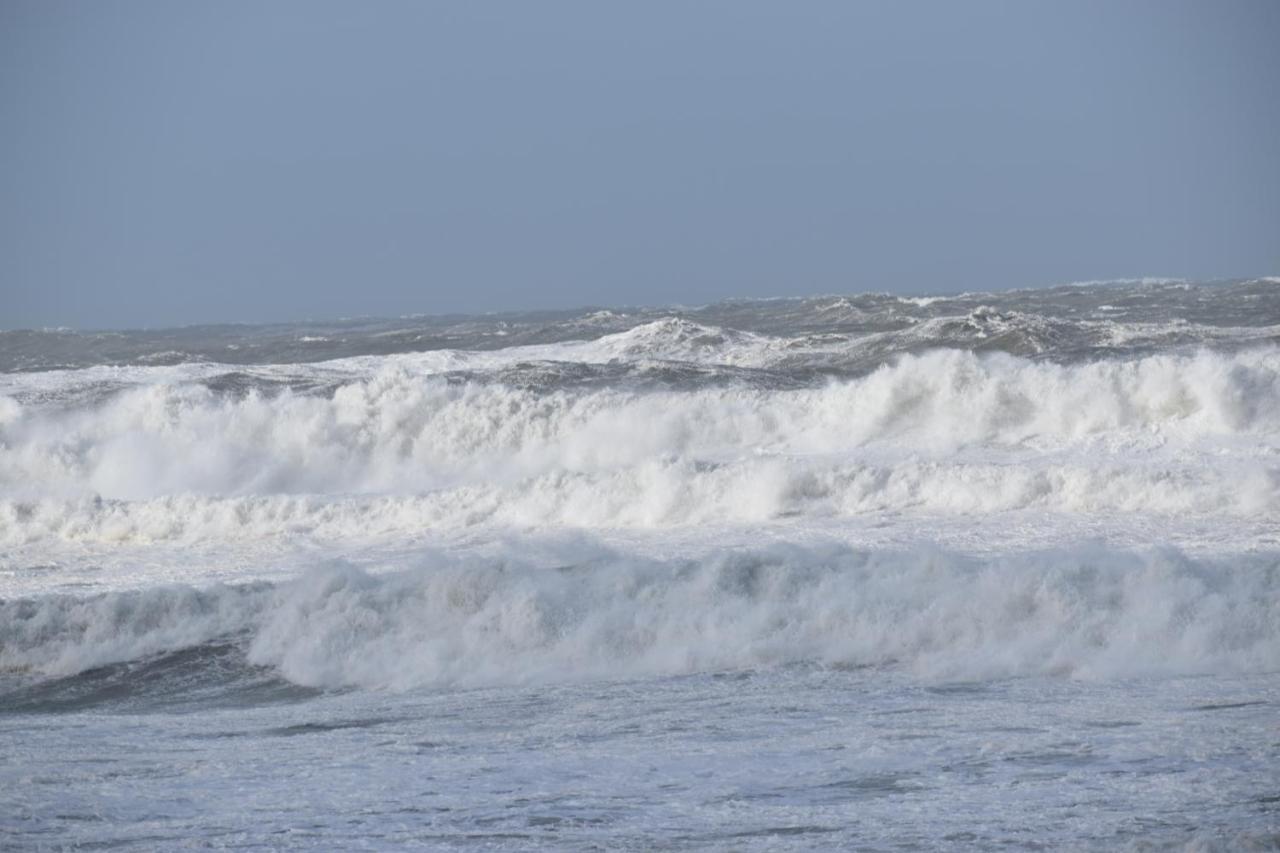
{"x":874,"y":572}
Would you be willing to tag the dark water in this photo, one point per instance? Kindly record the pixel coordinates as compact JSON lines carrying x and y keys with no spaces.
{"x":1062,"y":322}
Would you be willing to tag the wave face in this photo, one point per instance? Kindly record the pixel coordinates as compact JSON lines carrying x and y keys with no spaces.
{"x":1081,"y":480}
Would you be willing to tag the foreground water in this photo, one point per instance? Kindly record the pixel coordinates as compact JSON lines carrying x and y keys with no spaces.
{"x":869,"y":571}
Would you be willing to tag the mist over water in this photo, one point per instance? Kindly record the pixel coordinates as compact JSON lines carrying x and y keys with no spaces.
{"x":1028,"y":540}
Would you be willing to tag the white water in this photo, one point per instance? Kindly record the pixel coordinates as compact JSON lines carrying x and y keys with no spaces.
{"x":945,"y":430}
{"x":852,"y":571}
{"x":1086,"y":614}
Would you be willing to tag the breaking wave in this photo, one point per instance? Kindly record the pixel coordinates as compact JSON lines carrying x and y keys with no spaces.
{"x":404,"y":433}
{"x":1087,"y":613}
{"x":673,"y":493}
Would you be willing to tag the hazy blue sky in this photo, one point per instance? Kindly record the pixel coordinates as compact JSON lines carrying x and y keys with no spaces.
{"x":179,"y":162}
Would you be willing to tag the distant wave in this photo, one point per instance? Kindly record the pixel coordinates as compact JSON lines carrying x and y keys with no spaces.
{"x":1064,"y":323}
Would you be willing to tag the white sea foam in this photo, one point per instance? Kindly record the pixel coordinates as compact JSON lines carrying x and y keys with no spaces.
{"x":670,"y":493}
{"x":859,"y":571}
{"x":1087,"y":613}
{"x":10,"y":410}
{"x":922,"y":301}
{"x":401,"y":432}
{"x":64,"y":635}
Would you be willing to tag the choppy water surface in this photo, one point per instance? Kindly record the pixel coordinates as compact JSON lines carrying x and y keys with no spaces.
{"x":894,"y":573}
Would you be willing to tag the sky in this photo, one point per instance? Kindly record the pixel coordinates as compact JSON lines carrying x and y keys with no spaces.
{"x":177,"y":162}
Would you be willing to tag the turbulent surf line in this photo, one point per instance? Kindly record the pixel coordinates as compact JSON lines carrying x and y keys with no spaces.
{"x":762,"y":573}
{"x":1132,"y":416}
{"x":658,"y":495}
{"x":396,"y":431}
{"x":1087,"y":613}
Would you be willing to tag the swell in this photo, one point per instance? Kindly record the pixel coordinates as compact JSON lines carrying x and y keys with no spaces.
{"x":1061,"y":322}
{"x":1086,"y":613}
{"x":403,"y":433}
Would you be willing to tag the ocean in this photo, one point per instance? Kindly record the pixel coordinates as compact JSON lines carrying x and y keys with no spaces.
{"x":977,"y":571}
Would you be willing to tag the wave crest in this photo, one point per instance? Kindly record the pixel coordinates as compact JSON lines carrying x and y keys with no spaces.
{"x":403,"y":433}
